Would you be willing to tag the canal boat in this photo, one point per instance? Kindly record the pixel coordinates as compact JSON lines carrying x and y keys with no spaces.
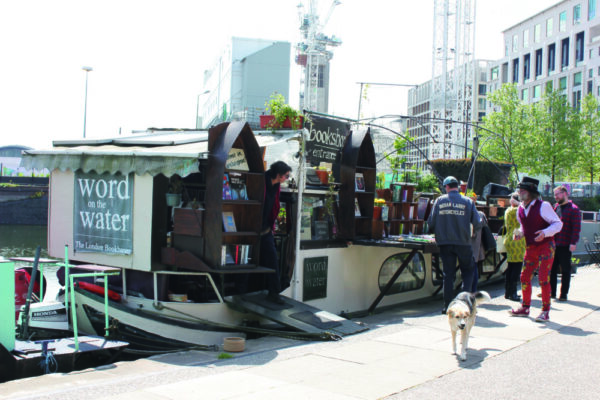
{"x":153,"y":206}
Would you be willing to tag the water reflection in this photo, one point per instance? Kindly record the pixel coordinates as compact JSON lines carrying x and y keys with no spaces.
{"x":21,"y":240}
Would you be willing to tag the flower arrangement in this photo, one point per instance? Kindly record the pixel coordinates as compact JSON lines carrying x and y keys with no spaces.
{"x":379,"y":202}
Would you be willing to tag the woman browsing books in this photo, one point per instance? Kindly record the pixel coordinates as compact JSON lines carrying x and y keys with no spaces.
{"x":278,"y":173}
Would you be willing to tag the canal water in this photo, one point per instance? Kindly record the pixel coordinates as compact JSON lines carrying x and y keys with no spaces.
{"x":21,"y":241}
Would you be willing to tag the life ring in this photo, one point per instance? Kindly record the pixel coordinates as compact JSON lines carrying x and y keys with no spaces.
{"x":90,"y":287}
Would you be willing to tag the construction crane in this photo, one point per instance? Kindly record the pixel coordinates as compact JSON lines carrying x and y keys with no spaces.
{"x":313,"y":55}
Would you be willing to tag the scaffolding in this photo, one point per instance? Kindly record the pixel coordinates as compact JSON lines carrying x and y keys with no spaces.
{"x":452,"y":77}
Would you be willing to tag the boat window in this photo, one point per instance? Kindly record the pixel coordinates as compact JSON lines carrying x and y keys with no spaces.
{"x":412,"y":278}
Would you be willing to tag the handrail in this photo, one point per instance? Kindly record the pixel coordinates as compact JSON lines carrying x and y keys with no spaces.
{"x":104,"y":274}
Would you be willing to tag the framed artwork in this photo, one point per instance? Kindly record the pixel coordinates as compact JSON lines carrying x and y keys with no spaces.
{"x":228,"y":222}
{"x":359,"y":181}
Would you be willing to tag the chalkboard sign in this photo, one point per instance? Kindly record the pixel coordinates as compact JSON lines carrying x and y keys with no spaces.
{"x":315,"y":278}
{"x":325,"y":142}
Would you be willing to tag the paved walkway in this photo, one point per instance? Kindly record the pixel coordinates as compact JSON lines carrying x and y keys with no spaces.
{"x":406,"y":355}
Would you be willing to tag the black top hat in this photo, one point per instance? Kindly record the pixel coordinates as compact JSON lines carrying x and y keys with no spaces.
{"x":529,"y":184}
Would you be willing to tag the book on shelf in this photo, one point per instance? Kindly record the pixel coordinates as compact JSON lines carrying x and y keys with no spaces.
{"x":357,"y":208}
{"x":237,"y":185}
{"x":226,"y":187}
{"x":422,"y":205}
{"x":235,"y":254}
{"x":228,"y":222}
{"x":410,"y":212}
{"x":359,"y":182}
{"x":397,"y":193}
{"x":321,"y":230}
{"x":385,"y":212}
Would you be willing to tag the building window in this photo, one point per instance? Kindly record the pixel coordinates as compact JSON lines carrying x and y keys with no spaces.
{"x":591,"y":73}
{"x":579,"y":47}
{"x":577,"y":79}
{"x":576,"y":14}
{"x":525,"y":94}
{"x":562,"y":21}
{"x":562,"y":83}
{"x":598,"y":71}
{"x":320,"y":82}
{"x":551,"y":57}
{"x":549,"y":86}
{"x":591,"y":9}
{"x":494,"y":73}
{"x":515,"y":43}
{"x":526,"y":67}
{"x":482,"y":90}
{"x":590,"y":85}
{"x":537,"y":91}
{"x":564,"y":53}
{"x":526,"y":38}
{"x":538,"y":63}
{"x":577,"y":100}
{"x":515,"y":70}
{"x":481,"y":103}
{"x":537,"y":33}
{"x":549,"y":26}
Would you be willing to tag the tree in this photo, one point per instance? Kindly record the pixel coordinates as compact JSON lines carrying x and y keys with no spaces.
{"x":589,"y":155}
{"x":552,"y":144}
{"x":508,"y":126}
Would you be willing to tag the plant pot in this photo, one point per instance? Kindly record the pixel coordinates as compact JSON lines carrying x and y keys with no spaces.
{"x":385,"y":194}
{"x":173,"y":199}
{"x":376,"y":213}
{"x":269,"y":122}
{"x":323,"y":176}
{"x":234,"y":344}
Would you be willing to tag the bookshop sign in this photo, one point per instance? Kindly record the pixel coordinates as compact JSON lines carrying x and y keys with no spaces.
{"x":325,"y":142}
{"x":102,"y":213}
{"x":315,"y":278}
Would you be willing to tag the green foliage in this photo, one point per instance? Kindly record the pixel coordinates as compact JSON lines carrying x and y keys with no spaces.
{"x":428,"y":183}
{"x":398,"y":157}
{"x":380,"y":183}
{"x":8,"y":184}
{"x":589,"y":203}
{"x":224,"y":356}
{"x":588,"y":162}
{"x":277,"y":107}
{"x":37,"y":195}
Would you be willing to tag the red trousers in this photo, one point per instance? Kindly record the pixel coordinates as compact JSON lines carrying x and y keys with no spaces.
{"x":537,"y":256}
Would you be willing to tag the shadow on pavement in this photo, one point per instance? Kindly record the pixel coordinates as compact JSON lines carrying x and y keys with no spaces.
{"x":488,"y":323}
{"x":574,"y":331}
{"x":475,"y":357}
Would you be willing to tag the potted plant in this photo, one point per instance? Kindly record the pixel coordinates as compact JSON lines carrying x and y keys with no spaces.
{"x":174,"y":191}
{"x":378,"y":204}
{"x":381,"y":190}
{"x":323,"y":174}
{"x":280,"y":114}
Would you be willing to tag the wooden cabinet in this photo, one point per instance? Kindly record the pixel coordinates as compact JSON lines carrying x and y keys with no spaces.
{"x":403,"y":213}
{"x":358,"y":156}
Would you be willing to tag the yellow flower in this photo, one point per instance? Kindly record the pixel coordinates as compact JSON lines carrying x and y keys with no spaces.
{"x":379,"y":202}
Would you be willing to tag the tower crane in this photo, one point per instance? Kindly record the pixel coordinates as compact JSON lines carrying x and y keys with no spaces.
{"x":314,"y":56}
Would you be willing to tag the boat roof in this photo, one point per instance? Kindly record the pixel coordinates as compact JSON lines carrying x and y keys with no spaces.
{"x":153,"y":152}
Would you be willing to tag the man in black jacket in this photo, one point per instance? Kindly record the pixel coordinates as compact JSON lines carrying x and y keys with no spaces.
{"x":452,"y":219}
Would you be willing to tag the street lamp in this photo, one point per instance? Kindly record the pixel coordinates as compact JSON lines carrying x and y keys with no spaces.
{"x":198,"y":107}
{"x":87,"y":70}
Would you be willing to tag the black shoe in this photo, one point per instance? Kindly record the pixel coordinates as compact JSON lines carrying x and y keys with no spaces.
{"x":562,"y":298}
{"x":275,"y":298}
{"x":513,"y":297}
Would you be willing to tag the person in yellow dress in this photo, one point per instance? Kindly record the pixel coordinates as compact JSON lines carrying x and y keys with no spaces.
{"x":515,"y":250}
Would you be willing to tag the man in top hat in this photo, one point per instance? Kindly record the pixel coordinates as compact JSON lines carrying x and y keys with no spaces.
{"x":538,"y":224}
{"x":451,"y":219}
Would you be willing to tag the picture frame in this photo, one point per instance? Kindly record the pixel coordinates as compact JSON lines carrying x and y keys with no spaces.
{"x":229,"y":222}
{"x":357,"y":209}
{"x":359,"y":182}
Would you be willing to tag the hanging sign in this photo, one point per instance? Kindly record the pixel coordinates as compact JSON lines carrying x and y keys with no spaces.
{"x":102,"y":214}
{"x":325,"y":142}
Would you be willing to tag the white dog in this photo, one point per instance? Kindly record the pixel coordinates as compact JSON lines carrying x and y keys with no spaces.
{"x":461,"y":315}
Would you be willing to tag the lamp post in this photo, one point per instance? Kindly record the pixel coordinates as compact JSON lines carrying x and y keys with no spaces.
{"x":87,"y":70}
{"x":198,"y":107}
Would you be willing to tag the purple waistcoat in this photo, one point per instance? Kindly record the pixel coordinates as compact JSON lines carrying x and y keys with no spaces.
{"x":532,"y":223}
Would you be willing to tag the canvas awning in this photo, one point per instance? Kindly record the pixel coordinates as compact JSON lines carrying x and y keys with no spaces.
{"x":166,"y":153}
